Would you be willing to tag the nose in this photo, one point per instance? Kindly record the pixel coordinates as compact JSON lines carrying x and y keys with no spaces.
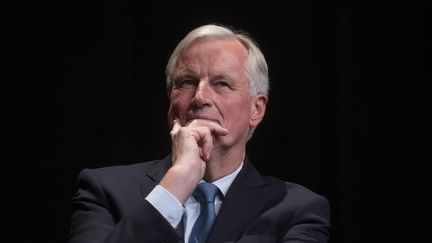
{"x":202,"y":95}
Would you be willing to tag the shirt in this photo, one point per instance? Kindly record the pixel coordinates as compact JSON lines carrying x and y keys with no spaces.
{"x":173,"y":210}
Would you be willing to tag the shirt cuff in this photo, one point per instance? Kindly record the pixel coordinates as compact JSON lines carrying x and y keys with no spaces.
{"x":167,"y":205}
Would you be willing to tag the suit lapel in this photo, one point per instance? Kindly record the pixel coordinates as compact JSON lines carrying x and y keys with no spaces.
{"x":249,"y":195}
{"x":154,"y":175}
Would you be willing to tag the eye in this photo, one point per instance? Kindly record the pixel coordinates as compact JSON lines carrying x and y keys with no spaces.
{"x":185,"y":82}
{"x":223,"y":83}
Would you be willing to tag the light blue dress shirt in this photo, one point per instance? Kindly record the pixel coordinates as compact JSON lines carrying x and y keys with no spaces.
{"x":173,"y":210}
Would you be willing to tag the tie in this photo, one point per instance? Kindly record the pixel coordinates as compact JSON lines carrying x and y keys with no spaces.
{"x":205,"y":193}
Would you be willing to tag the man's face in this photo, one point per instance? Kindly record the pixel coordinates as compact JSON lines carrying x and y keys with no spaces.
{"x":210,"y":84}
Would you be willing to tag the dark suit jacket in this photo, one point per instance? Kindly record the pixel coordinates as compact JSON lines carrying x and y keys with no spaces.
{"x":110,"y":206}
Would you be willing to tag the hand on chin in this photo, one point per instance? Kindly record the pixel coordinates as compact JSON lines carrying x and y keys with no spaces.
{"x":215,"y":128}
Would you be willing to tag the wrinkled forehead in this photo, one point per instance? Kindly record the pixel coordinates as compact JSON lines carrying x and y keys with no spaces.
{"x":214,"y":55}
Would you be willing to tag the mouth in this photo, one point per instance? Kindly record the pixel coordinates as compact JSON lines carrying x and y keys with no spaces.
{"x":207,"y":118}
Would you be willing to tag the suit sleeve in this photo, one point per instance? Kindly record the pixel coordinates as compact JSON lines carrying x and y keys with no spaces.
{"x":94,"y":219}
{"x":310,"y":223}
{"x":301,"y":217}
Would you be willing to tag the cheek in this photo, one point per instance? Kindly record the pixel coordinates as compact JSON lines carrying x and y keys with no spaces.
{"x":237,"y":112}
{"x":175,"y":107}
{"x":179,"y":104}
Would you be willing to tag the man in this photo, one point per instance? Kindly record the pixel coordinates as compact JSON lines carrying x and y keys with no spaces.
{"x":217,"y":83}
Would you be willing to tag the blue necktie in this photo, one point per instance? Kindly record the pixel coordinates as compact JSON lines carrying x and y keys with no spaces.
{"x":205,"y":193}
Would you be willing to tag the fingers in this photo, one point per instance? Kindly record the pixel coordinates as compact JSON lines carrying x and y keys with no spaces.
{"x":197,"y":135}
{"x":176,"y":127}
{"x":218,"y":130}
{"x":206,"y":144}
{"x":213,"y":126}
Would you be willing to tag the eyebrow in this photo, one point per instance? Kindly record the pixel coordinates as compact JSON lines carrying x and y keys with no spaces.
{"x":190,"y":73}
{"x":221,"y":76}
{"x":184,"y":73}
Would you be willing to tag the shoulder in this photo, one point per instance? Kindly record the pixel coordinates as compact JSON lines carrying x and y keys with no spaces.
{"x":124,"y":174}
{"x":128,"y":169}
{"x":301,"y":205}
{"x":294,"y":191}
{"x":304,"y":204}
{"x":300,"y":192}
{"x":296,"y":196}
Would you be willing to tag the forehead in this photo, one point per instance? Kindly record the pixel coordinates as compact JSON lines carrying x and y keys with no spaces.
{"x":224,"y":52}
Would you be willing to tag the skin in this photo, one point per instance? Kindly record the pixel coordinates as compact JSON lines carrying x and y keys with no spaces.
{"x":211,"y":112}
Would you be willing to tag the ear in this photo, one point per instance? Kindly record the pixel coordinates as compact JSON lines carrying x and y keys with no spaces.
{"x":258,"y":108}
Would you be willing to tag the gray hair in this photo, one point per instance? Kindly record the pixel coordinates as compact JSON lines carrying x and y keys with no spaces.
{"x":256,"y":69}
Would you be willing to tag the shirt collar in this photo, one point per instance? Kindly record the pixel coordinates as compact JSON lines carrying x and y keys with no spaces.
{"x":225,"y":182}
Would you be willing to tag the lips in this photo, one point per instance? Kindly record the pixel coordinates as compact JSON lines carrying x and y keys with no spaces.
{"x":201,"y":117}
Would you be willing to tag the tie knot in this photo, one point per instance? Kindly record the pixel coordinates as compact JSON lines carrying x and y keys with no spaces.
{"x":206,"y":192}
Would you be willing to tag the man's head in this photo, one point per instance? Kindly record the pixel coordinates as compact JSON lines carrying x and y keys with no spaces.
{"x":217,"y":75}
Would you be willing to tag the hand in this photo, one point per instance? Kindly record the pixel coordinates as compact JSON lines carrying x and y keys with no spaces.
{"x":191,"y":148}
{"x":195,"y":140}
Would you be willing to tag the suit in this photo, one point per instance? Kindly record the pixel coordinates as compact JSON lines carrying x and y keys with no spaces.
{"x":110,"y":206}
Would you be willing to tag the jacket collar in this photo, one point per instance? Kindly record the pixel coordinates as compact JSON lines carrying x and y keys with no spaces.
{"x":249,"y":195}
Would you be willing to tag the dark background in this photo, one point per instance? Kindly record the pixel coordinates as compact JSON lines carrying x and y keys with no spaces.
{"x":346,"y":115}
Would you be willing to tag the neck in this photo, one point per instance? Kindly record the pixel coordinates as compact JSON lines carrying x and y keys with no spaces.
{"x":223,"y":163}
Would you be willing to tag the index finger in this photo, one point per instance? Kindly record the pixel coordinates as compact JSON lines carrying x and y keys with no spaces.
{"x":213,"y":126}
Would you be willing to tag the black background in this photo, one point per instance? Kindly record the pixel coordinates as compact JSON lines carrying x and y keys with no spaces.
{"x":346,"y":115}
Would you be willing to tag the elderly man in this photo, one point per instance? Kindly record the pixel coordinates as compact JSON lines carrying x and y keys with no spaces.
{"x":206,"y":190}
